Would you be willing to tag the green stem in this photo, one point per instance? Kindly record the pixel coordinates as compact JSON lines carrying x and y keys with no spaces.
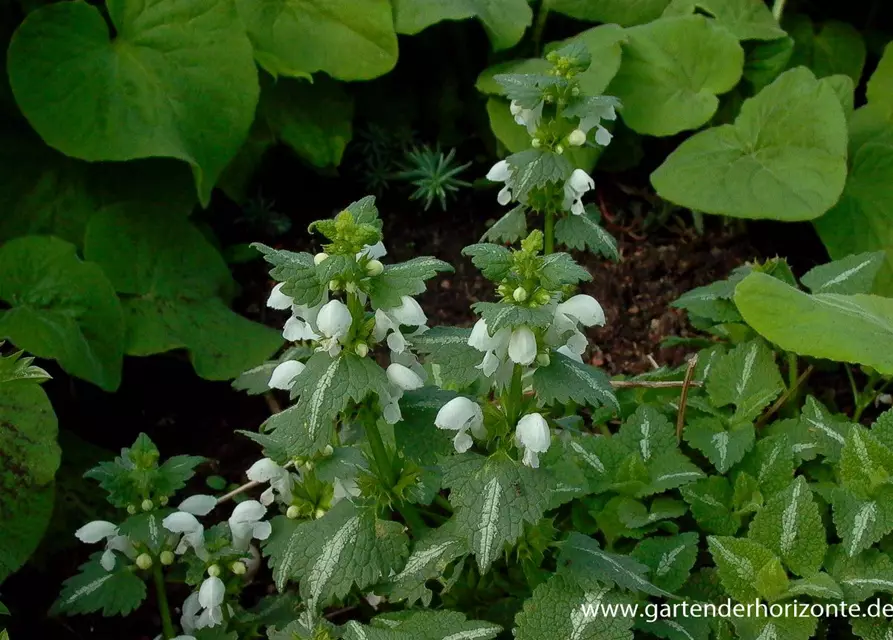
{"x":167,"y":625}
{"x":549,"y":232}
{"x":516,"y":395}
{"x":778,"y":9}
{"x":857,"y":397}
{"x":443,"y":503}
{"x":386,"y":471}
{"x":793,"y":370}
{"x":540,"y":26}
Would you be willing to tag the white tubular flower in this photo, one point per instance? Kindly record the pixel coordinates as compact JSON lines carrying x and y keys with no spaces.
{"x":571,"y":353}
{"x":522,"y":346}
{"x":388,"y":322}
{"x":576,"y":186}
{"x":245,"y":523}
{"x":280,"y":479}
{"x":210,"y":598}
{"x":532,"y":435}
{"x":99,"y":530}
{"x":502,"y":172}
{"x":578,"y":310}
{"x":461,"y":415}
{"x":191,"y":610}
{"x":333,"y":322}
{"x":198,"y":505}
{"x":373,"y":251}
{"x":344,"y":489}
{"x":529,"y":118}
{"x":192,"y":530}
{"x":283,"y":376}
{"x":494,"y":347}
{"x":279,"y":300}
{"x":404,"y":378}
{"x":583,"y":309}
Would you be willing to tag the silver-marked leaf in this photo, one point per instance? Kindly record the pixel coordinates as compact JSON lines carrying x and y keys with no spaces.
{"x":116,"y":592}
{"x":865,"y":463}
{"x":747,"y":569}
{"x":510,"y":228}
{"x":564,"y":380}
{"x":861,"y":522}
{"x":804,"y":444}
{"x":869,"y":628}
{"x":853,"y":274}
{"x":670,"y":558}
{"x":770,"y":463}
{"x":790,"y":526}
{"x":746,"y":377}
{"x":710,"y":501}
{"x":454,"y":362}
{"x":430,"y":557}
{"x":648,"y":432}
{"x":425,"y":625}
{"x":724,"y":447}
{"x":820,"y":585}
{"x":765,"y":628}
{"x":862,"y":575}
{"x":829,"y":432}
{"x":387,"y":289}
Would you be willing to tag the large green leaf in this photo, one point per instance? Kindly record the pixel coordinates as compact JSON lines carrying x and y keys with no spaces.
{"x":31,"y":456}
{"x":856,"y":328}
{"x":626,"y":13}
{"x":863,"y":218}
{"x":672,"y":71}
{"x":837,"y":47}
{"x":175,"y":80}
{"x":61,"y":308}
{"x":747,"y":19}
{"x":784,"y":157}
{"x":504,"y":20}
{"x":175,"y":287}
{"x":348,"y":40}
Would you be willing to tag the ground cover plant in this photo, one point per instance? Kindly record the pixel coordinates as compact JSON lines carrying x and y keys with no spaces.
{"x":184,"y":182}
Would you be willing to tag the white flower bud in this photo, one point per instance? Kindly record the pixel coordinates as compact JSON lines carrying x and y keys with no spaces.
{"x":543,"y":360}
{"x":132,"y":509}
{"x":577,"y":138}
{"x":285,"y":373}
{"x":351,"y":287}
{"x":584,"y":309}
{"x":536,"y":143}
{"x":334,"y":319}
{"x":327,"y":451}
{"x":238,"y":568}
{"x":374,"y":268}
{"x":321,"y":257}
{"x":404,"y":378}
{"x":214,"y":571}
{"x":163,"y":500}
{"x":522,"y":346}
{"x":319,"y":513}
{"x":292,"y":513}
{"x":559,"y":149}
{"x":144,"y":561}
{"x":520,"y":294}
{"x":147,"y":505}
{"x":333,"y":285}
{"x":533,"y":436}
{"x":279,"y":300}
{"x":166,"y":557}
{"x":362,"y":349}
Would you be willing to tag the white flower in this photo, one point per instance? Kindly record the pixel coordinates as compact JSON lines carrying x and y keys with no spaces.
{"x":529,"y":118}
{"x":578,"y":310}
{"x":388,"y":322}
{"x":494,"y":347}
{"x":210,"y":598}
{"x":192,"y":530}
{"x":584,"y":309}
{"x":373,"y":251}
{"x":571,"y":353}
{"x":502,"y":172}
{"x":404,"y":378}
{"x":344,"y":489}
{"x":98,"y":530}
{"x":279,"y":300}
{"x":198,"y":505}
{"x":300,"y":325}
{"x":333,"y":322}
{"x":576,"y":186}
{"x":191,"y":611}
{"x":522,"y":346}
{"x":605,"y":109}
{"x":461,"y":415}
{"x":533,"y":436}
{"x":245,"y":523}
{"x":280,"y":479}
{"x":284,"y":374}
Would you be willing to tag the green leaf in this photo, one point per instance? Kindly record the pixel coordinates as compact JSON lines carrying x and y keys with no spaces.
{"x":790,"y":526}
{"x":299,"y":37}
{"x":422,"y":625}
{"x":747,"y":569}
{"x":860,"y":576}
{"x":784,"y":158}
{"x":28,"y":431}
{"x":116,"y":592}
{"x":710,"y":501}
{"x":626,"y":13}
{"x":561,"y":270}
{"x":837,"y":47}
{"x":494,"y":261}
{"x":647,"y":432}
{"x":852,"y":274}
{"x":871,"y":628}
{"x":325,"y":388}
{"x":770,"y":463}
{"x":746,"y":377}
{"x":724,"y":447}
{"x":862,"y":220}
{"x":505,"y":314}
{"x":347,"y":547}
{"x":565,"y":380}
{"x":582,"y":232}
{"x":175,"y":81}
{"x":454,"y":362}
{"x":404,"y":279}
{"x":747,"y":19}
{"x":810,"y":324}
{"x":671,"y":73}
{"x":174,"y":285}
{"x":430,"y":557}
{"x":766,"y":61}
{"x":582,"y":559}
{"x":861,"y":522}
{"x":789,"y":628}
{"x":510,"y":228}
{"x":604,"y":46}
{"x":713,"y":301}
{"x":865,"y":463}
{"x":828,"y":434}
{"x":670,"y":558}
{"x":492,"y":498}
{"x":61,"y":308}
{"x":535,"y":169}
{"x":558,"y":611}
{"x":820,"y":585}
{"x":505,"y":20}
{"x":298,"y":273}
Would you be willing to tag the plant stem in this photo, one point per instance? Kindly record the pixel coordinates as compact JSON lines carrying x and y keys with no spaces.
{"x":513,"y":409}
{"x":857,"y":397}
{"x":540,"y":26}
{"x":443,"y":503}
{"x":167,"y":625}
{"x":778,"y":9}
{"x":793,"y":373}
{"x":386,"y":471}
{"x":549,"y":232}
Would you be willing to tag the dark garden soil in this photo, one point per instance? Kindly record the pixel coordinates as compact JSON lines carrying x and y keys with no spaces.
{"x":183,"y":414}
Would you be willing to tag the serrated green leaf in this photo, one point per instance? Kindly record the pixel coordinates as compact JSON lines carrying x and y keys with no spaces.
{"x":404,"y":279}
{"x":789,"y":628}
{"x":325,"y":387}
{"x":176,"y":81}
{"x":861,"y":522}
{"x":723,"y":447}
{"x":747,"y":19}
{"x":820,"y":585}
{"x":599,"y":457}
{"x":869,"y":628}
{"x":746,"y":497}
{"x":583,"y":559}
{"x":710,"y":501}
{"x":865,"y":464}
{"x":746,"y":377}
{"x":116,"y":592}
{"x":853,"y":274}
{"x":564,"y":380}
{"x":791,"y":527}
{"x":503,"y":314}
{"x":536,"y":168}
{"x":634,"y":514}
{"x":61,"y":308}
{"x":560,"y":270}
{"x":510,"y":228}
{"x":504,"y":20}
{"x":670,"y":558}
{"x":804,"y":444}
{"x":582,"y":232}
{"x":492,"y":498}
{"x":558,"y":611}
{"x":882,"y":429}
{"x":297,"y":272}
{"x":430,"y":557}
{"x":787,"y":164}
{"x":455,"y":362}
{"x":145,"y":529}
{"x":677,"y":628}
{"x":494,"y":261}
{"x":747,"y":569}
{"x":423,"y":625}
{"x":666,"y":83}
{"x":862,"y":575}
{"x":648,"y":432}
{"x":347,"y":547}
{"x":770,"y":463}
{"x":829,"y":433}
